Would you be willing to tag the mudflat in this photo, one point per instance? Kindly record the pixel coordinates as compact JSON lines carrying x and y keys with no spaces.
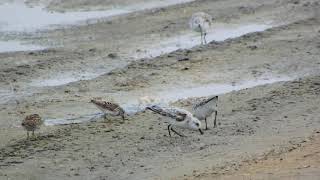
{"x":272,"y":112}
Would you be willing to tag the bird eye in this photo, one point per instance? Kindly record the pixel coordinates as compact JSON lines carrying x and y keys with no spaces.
{"x":197,"y":124}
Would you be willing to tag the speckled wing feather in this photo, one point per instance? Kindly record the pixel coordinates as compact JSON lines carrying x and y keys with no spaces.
{"x":106,"y":105}
{"x":172,"y":113}
{"x":112,"y":107}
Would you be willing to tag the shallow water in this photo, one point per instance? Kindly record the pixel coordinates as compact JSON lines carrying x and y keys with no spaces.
{"x":219,"y":32}
{"x":213,"y":89}
{"x":13,"y":46}
{"x":164,"y":98}
{"x":186,"y":41}
{"x":72,"y":120}
{"x":18,"y":17}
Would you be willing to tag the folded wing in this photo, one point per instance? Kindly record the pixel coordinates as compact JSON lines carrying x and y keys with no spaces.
{"x":169,"y":112}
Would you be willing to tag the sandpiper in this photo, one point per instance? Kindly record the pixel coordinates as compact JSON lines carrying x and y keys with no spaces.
{"x":178,"y":117}
{"x":31,"y":123}
{"x":109,"y":108}
{"x":201,"y":22}
{"x":206,"y":108}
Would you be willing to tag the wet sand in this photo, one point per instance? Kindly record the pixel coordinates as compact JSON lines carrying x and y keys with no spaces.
{"x":301,"y":162}
{"x":276,"y":113}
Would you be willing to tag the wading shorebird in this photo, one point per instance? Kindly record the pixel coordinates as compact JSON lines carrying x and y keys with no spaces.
{"x":31,"y":123}
{"x":205,"y":109}
{"x":179,"y":118}
{"x":201,"y":22}
{"x":109,"y":108}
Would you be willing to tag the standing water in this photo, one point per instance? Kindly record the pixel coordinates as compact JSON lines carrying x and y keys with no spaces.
{"x":18,"y":17}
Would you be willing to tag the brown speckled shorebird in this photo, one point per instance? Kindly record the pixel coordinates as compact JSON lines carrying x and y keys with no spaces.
{"x":109,"y":108}
{"x":31,"y":123}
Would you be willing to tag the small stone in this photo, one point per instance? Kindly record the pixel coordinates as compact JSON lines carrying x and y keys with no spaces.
{"x":183,"y":58}
{"x":253,"y":47}
{"x":92,"y":50}
{"x":112,"y":55}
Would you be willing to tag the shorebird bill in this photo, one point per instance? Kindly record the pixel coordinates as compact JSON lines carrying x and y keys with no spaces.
{"x":201,"y":132}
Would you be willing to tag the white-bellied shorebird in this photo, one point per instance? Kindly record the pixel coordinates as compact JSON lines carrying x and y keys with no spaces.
{"x":109,"y":108}
{"x":206,"y":108}
{"x":31,"y":123}
{"x":201,"y":22}
{"x":179,"y":118}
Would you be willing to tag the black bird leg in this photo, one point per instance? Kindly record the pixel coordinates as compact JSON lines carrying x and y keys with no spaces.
{"x":204,"y":38}
{"x":215,"y":119}
{"x":169,"y":126}
{"x":177,"y":132}
{"x":205,"y":120}
{"x":201,"y":37}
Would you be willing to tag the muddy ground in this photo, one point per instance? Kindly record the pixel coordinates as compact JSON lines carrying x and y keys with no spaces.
{"x":253,"y":122}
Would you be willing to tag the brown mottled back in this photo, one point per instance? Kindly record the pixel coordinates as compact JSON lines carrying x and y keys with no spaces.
{"x":109,"y":106}
{"x":32,"y":122}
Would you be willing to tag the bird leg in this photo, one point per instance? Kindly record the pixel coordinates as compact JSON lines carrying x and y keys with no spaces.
{"x":204,"y":38}
{"x":201,"y":34}
{"x":33,"y":136}
{"x":215,"y":119}
{"x":176,"y":132}
{"x":205,"y":120}
{"x":169,"y":129}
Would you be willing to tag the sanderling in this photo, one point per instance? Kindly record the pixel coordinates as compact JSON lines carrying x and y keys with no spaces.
{"x":109,"y":108}
{"x":205,"y":108}
{"x":201,"y":22}
{"x":178,"y":117}
{"x":31,"y":123}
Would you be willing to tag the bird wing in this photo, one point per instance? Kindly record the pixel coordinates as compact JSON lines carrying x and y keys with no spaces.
{"x":106,"y":105}
{"x":206,"y":101}
{"x":169,"y":112}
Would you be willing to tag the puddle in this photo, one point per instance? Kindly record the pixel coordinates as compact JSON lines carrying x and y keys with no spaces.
{"x":166,"y":97}
{"x":13,"y":46}
{"x":18,"y":17}
{"x":220,"y":32}
{"x":77,"y":120}
{"x":36,"y":18}
{"x":212,"y":89}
